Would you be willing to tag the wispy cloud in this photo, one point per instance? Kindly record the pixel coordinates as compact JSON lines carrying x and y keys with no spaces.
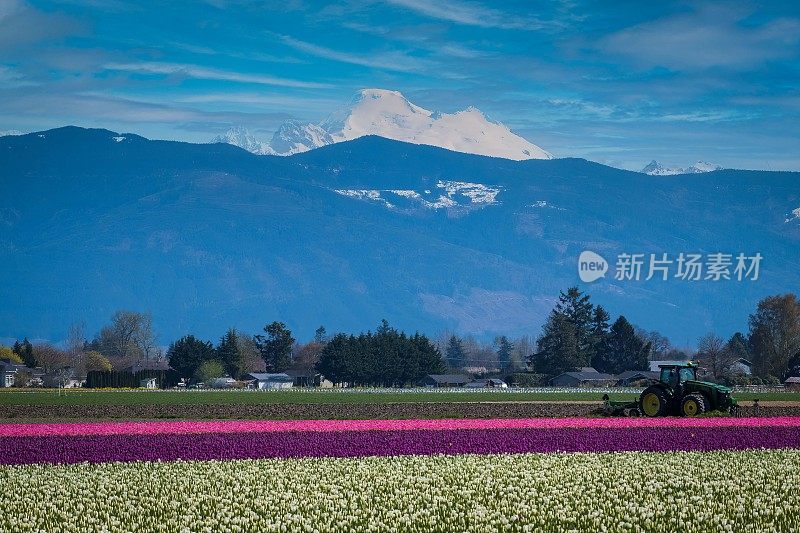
{"x":205,"y":73}
{"x":394,"y":61}
{"x":471,"y":14}
{"x":713,"y":36}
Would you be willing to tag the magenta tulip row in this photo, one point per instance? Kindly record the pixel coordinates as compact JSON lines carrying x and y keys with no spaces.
{"x":272,"y":444}
{"x":269,"y":426}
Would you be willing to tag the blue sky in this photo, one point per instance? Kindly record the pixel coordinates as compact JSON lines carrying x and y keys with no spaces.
{"x":616,"y":82}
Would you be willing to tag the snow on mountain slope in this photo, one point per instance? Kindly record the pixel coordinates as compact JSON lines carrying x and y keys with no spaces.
{"x":794,"y":215}
{"x":388,"y":114}
{"x":4,"y":133}
{"x":702,"y":166}
{"x":294,"y":137}
{"x":449,"y":194}
{"x":241,"y":137}
{"x":654,"y":168}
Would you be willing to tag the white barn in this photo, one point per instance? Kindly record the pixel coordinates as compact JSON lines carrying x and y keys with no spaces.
{"x":264,"y":381}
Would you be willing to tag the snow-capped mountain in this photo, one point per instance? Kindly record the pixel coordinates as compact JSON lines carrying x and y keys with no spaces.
{"x":388,"y":114}
{"x":654,"y":168}
{"x":294,"y":137}
{"x":241,"y":137}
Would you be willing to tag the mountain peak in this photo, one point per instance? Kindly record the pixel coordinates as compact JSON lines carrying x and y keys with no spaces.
{"x":654,"y":168}
{"x":241,"y":137}
{"x":391,"y":115}
{"x":380,"y":93}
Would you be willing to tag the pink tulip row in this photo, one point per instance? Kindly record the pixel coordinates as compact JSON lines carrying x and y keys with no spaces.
{"x":272,"y":426}
{"x":289,"y":444}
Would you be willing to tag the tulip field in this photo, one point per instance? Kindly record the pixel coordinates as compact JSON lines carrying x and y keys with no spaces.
{"x":460,"y":474}
{"x":746,"y":491}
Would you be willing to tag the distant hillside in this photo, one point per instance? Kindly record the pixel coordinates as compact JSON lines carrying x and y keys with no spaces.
{"x":211,"y":236}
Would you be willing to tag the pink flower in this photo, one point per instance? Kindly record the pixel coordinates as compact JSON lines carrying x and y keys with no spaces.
{"x":267,"y":426}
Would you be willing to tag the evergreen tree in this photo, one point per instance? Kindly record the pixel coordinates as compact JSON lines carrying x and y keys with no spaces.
{"x":429,"y":359}
{"x":186,"y":354}
{"x":320,"y":335}
{"x":577,"y":308}
{"x":455,"y":353}
{"x":336,"y":359}
{"x":276,"y":346}
{"x":557,"y":347}
{"x":229,"y":354}
{"x":25,"y":350}
{"x":386,"y":358}
{"x":600,"y":331}
{"x":737,"y":346}
{"x":504,"y":350}
{"x":623,"y":350}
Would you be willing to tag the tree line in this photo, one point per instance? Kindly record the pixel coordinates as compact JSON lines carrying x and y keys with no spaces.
{"x":386,"y":358}
{"x":576,"y":334}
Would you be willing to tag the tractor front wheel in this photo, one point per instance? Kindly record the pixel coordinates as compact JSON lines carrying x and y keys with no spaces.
{"x":653,"y":402}
{"x":694,"y":404}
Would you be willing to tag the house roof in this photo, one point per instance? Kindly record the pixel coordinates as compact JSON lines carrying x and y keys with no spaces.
{"x":151,"y":364}
{"x":301,"y":374}
{"x":449,"y":378}
{"x":265,"y":376}
{"x":793,"y":379}
{"x":587,"y":376}
{"x":628,"y":374}
{"x":486,"y":381}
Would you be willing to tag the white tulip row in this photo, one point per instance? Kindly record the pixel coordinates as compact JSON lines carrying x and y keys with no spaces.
{"x":681,"y":491}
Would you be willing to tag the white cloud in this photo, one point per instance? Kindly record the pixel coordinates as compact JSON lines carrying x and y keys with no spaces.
{"x":195,"y":71}
{"x":470,"y":14}
{"x":713,"y":36}
{"x":394,"y":61}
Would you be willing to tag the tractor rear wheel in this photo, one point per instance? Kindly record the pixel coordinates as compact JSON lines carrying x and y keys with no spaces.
{"x":653,"y":402}
{"x":694,"y":404}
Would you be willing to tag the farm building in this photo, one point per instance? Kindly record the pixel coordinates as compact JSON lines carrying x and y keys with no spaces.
{"x":489,"y":383}
{"x":742,"y":366}
{"x":8,"y":372}
{"x":591,"y":378}
{"x":634,"y":377}
{"x":309,"y":379}
{"x":792,"y":383}
{"x":445,"y":380}
{"x":148,"y":383}
{"x":226,"y":382}
{"x":265,"y":381}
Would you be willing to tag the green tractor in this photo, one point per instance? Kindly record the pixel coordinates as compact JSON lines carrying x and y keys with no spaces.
{"x":677,"y":392}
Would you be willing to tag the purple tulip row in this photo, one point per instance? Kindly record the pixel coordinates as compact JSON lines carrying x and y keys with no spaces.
{"x":252,"y":445}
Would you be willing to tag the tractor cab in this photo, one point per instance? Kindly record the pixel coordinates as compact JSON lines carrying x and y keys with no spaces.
{"x":675,"y":375}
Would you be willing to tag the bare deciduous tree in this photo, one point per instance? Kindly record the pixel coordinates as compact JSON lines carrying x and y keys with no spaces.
{"x":714,"y":356}
{"x":128,"y":338}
